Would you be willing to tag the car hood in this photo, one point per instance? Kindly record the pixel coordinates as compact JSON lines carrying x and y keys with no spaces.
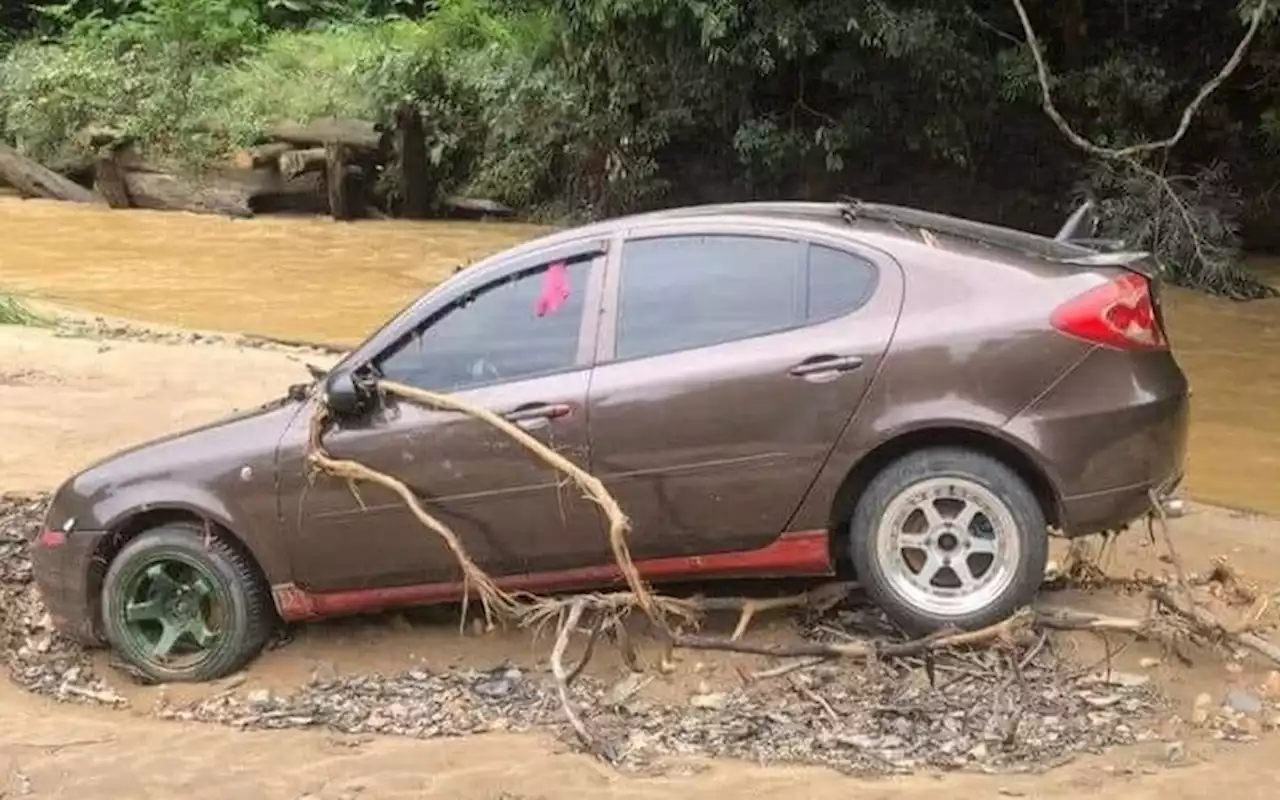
{"x":248,"y":436}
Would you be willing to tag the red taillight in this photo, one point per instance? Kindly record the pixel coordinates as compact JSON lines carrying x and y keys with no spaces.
{"x":1118,"y":314}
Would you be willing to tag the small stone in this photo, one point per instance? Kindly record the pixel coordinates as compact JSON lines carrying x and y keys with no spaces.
{"x":494,"y":688}
{"x":1149,"y":663}
{"x":1175,"y":752}
{"x":1129,"y":680}
{"x":712,"y":700}
{"x":259,"y":698}
{"x":978,"y":752}
{"x":1242,"y":702}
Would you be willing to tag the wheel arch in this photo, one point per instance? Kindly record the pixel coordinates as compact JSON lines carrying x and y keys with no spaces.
{"x":129,"y":525}
{"x":987,"y":441}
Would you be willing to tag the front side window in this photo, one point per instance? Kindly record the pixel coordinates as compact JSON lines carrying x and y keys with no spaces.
{"x":682,"y":292}
{"x":522,"y":326}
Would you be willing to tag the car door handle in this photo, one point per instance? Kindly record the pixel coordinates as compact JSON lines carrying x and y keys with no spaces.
{"x":535,"y":414}
{"x":815,"y":365}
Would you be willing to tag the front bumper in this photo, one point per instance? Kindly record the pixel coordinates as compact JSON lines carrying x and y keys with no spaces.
{"x":61,"y":565}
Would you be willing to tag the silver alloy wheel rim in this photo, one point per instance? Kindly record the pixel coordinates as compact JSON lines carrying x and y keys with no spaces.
{"x":948,"y":546}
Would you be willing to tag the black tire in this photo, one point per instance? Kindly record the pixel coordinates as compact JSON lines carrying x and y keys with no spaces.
{"x":246,"y":615}
{"x":912,"y":470}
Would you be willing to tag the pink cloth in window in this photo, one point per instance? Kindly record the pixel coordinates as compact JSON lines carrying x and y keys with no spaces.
{"x":555,"y":290}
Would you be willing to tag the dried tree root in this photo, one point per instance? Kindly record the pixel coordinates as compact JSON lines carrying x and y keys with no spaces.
{"x":591,"y":486}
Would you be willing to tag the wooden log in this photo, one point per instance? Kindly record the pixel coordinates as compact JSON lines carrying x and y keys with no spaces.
{"x":263,"y":155}
{"x":337,"y":156}
{"x":35,"y":180}
{"x":109,"y":182}
{"x":304,"y":194}
{"x":293,"y":163}
{"x":162,"y":191}
{"x":476,"y":207}
{"x":328,"y":130}
{"x":411,"y":160}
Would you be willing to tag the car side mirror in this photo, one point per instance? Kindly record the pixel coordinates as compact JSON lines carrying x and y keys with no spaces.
{"x":342,"y":394}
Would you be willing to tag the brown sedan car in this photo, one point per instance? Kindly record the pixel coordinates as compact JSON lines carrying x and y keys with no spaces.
{"x":769,"y":389}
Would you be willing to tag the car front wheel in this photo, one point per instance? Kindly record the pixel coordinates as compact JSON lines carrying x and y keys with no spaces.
{"x":181,"y":604}
{"x":949,"y":537}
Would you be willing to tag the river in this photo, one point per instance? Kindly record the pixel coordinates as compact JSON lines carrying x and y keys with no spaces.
{"x":313,"y":279}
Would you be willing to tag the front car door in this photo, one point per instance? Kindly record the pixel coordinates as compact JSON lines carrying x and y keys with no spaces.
{"x":729,"y":363}
{"x":520,"y":344}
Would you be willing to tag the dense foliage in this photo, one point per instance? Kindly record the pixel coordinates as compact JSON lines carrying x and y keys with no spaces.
{"x":589,"y":107}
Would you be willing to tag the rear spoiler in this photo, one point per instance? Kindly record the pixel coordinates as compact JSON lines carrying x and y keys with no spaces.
{"x":1107,"y":252}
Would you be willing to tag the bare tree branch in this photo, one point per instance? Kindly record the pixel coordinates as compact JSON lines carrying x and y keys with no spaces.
{"x":1188,"y":114}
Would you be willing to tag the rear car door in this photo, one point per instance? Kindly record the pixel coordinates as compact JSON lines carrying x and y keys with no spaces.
{"x":509,"y":345}
{"x":728,"y":365}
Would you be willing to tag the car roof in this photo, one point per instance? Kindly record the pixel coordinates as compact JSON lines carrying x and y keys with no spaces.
{"x":888,"y":227}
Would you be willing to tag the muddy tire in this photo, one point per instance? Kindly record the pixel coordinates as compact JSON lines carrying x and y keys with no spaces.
{"x":180,"y":606}
{"x":948,"y":537}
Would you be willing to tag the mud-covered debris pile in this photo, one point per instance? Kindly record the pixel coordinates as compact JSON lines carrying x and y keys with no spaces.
{"x":36,"y":657}
{"x":984,"y":710}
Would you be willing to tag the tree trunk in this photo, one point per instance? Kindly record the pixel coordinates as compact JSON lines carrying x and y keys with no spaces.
{"x":295,"y":162}
{"x":35,"y":180}
{"x":330,"y":130}
{"x":411,"y":155}
{"x":264,"y":155}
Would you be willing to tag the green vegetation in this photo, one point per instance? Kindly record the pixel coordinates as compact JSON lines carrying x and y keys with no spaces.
{"x":15,"y":312}
{"x":593,"y":107}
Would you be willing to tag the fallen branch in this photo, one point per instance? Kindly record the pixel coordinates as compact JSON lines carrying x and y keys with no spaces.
{"x":1209,"y":626}
{"x":494,"y":600}
{"x":590,"y":485}
{"x":1188,"y":113}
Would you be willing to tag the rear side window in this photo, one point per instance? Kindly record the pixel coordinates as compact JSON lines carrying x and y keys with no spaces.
{"x":839,"y":283}
{"x":683,"y":292}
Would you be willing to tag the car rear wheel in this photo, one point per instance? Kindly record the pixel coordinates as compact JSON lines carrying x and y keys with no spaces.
{"x":179,"y":604}
{"x":949,"y":537}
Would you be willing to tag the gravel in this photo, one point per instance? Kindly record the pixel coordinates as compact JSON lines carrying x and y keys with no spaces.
{"x":1021,"y":708}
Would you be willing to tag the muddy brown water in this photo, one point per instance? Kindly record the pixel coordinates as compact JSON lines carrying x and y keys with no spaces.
{"x":313,"y":279}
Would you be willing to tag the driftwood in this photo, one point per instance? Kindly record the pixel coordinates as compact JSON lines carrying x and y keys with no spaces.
{"x":36,"y":180}
{"x":328,"y":130}
{"x":263,"y":155}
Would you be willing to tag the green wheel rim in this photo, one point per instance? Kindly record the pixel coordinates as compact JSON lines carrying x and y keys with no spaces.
{"x":170,"y":610}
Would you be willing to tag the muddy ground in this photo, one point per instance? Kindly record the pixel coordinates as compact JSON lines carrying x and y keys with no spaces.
{"x":472,"y":712}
